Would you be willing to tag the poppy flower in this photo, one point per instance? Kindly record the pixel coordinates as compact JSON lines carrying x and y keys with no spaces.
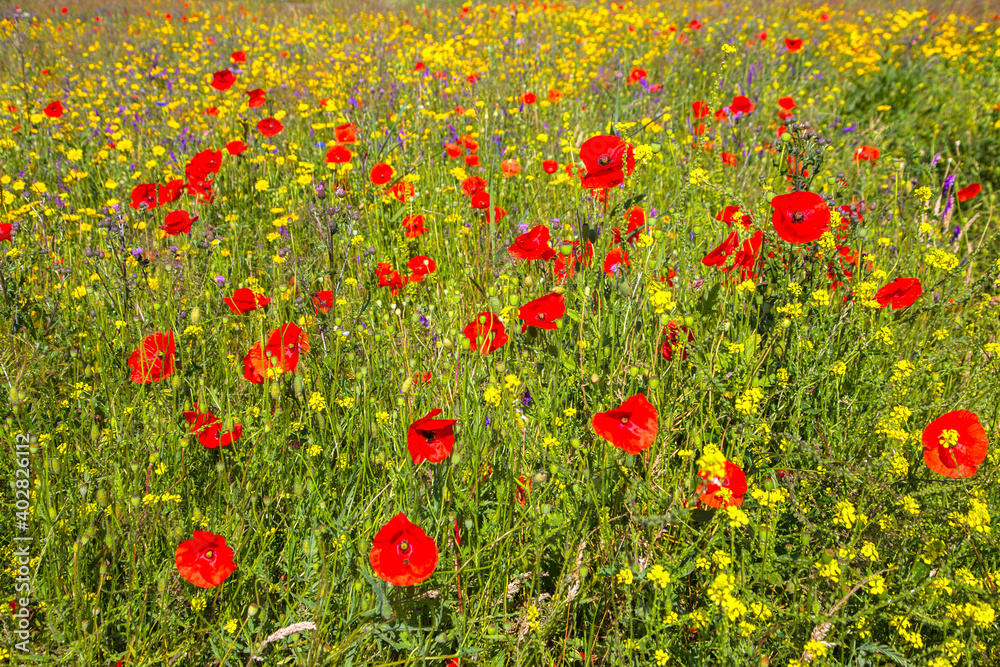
{"x":381,"y":174}
{"x":5,"y":230}
{"x":695,"y":24}
{"x":786,"y":103}
{"x":420,"y":266}
{"x":542,"y":312}
{"x":154,"y":359}
{"x":430,"y":439}
{"x":284,"y":345}
{"x":900,"y":293}
{"x":414,"y":226}
{"x":637,"y":74}
{"x":636,"y":219}
{"x":509,"y":167}
{"x":178,"y":222}
{"x":223,"y":80}
{"x":614,"y":260}
{"x":144,"y":193}
{"x":238,"y":56}
{"x":631,"y":426}
{"x":387,"y":277}
{"x":673,"y":341}
{"x":402,"y":191}
{"x":732,"y":214}
{"x":550,"y":166}
{"x":725,"y":490}
{"x":472,"y":160}
{"x":205,"y":560}
{"x":346,"y":133}
{"x":202,"y":164}
{"x":523,"y":489}
{"x":53,"y":109}
{"x":867,"y":154}
{"x":257,"y":98}
{"x":322,"y":301}
{"x":718,"y":255}
{"x":453,"y":150}
{"x":793,"y":45}
{"x":338,"y":154}
{"x":969,"y":191}
{"x":473,"y":185}
{"x":955,"y":444}
{"x":480,"y":201}
{"x":236,"y":147}
{"x":269,"y":127}
{"x":729,"y":159}
{"x":555,"y":95}
{"x":244,"y":300}
{"x":486,"y":333}
{"x":800,"y":217}
{"x":700,"y":109}
{"x":606,"y":159}
{"x":255,"y":365}
{"x":470,"y":143}
{"x":741,"y":105}
{"x":533,"y":244}
{"x":402,"y":553}
{"x":171,"y":192}
{"x":528,"y":98}
{"x":208,"y":427}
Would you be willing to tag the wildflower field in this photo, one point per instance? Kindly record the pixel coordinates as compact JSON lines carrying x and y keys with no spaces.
{"x":516,"y":334}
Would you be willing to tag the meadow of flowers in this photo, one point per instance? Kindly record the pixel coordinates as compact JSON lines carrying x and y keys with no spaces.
{"x":529,"y":333}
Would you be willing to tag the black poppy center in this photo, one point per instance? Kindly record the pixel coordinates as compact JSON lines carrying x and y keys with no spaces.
{"x":209,"y":555}
{"x":540,"y":317}
{"x":624,"y":420}
{"x":798,"y":216}
{"x":429,"y":436}
{"x":604,"y":160}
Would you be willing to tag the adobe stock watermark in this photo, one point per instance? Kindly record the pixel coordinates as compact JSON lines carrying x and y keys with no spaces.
{"x":22,"y":542}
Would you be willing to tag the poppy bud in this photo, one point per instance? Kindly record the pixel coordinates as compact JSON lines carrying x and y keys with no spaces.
{"x":102,"y":497}
{"x":195,"y":315}
{"x":253,"y":609}
{"x":135,"y":466}
{"x":220,"y":467}
{"x":154,"y":456}
{"x":275,"y":392}
{"x":175,"y":382}
{"x":95,"y":432}
{"x":184,"y":442}
{"x":104,"y":568}
{"x":566,"y":249}
{"x":135,"y":500}
{"x":785,"y":323}
{"x":298,"y":489}
{"x":55,"y":466}
{"x":298,"y":388}
{"x":575,"y":442}
{"x":634,"y":371}
{"x":654,"y":383}
{"x":305,"y":546}
{"x":267,"y":501}
{"x":52,"y":513}
{"x":697,"y":230}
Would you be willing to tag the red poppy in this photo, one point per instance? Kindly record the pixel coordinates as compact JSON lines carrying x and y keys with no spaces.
{"x":718,"y":255}
{"x":542,"y":312}
{"x":672,"y":341}
{"x":969,"y":191}
{"x":338,"y":154}
{"x":700,"y":109}
{"x":236,"y":147}
{"x":154,"y":359}
{"x":740,"y":105}
{"x":724,"y":491}
{"x":144,"y":193}
{"x":509,"y":167}
{"x":430,"y":439}
{"x":5,"y":230}
{"x":638,"y":74}
{"x":322,"y":301}
{"x":208,"y":428}
{"x":955,"y":444}
{"x":402,"y":191}
{"x":255,"y":364}
{"x":528,"y":98}
{"x":414,"y":226}
{"x":470,"y":143}
{"x":269,"y":127}
{"x":523,"y":489}
{"x":793,"y":45}
{"x":472,"y":160}
{"x":786,"y":103}
{"x":614,"y":260}
{"x":420,"y":266}
{"x":402,"y":553}
{"x":486,"y":333}
{"x":223,"y":80}
{"x":473,"y":185}
{"x":453,"y":150}
{"x":695,"y":24}
{"x":636,"y":219}
{"x":533,"y":244}
{"x":606,"y":159}
{"x":284,"y":345}
{"x":550,"y":166}
{"x":205,"y":560}
{"x":170,"y":192}
{"x":178,"y":222}
{"x":54,"y":109}
{"x":202,"y":164}
{"x":555,"y":95}
{"x":480,"y":201}
{"x":900,"y":293}
{"x":700,"y":129}
{"x":729,"y":159}
{"x":346,"y":133}
{"x":387,"y":277}
{"x":244,"y":300}
{"x":238,"y":56}
{"x":728,"y":215}
{"x":867,"y":154}
{"x":632,"y":426}
{"x":257,"y":98}
{"x":800,"y":217}
{"x":381,"y":174}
